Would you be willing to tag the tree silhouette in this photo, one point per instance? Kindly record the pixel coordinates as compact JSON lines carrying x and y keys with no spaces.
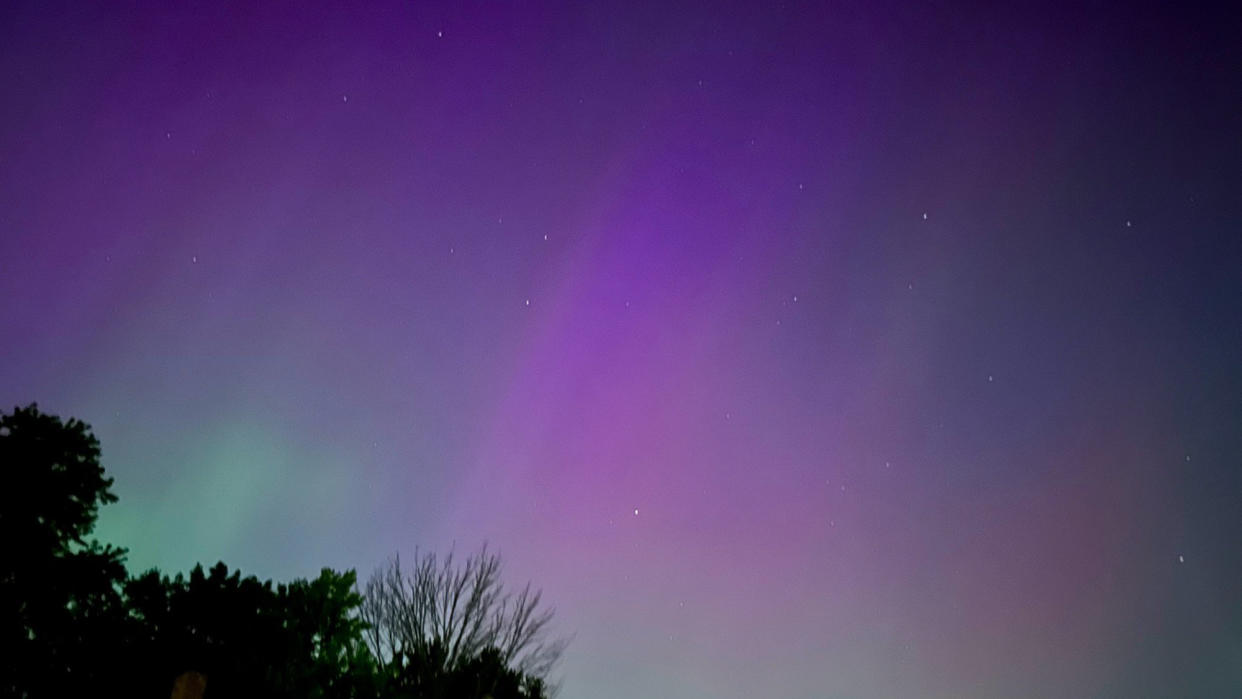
{"x":250,"y":637}
{"x":438,"y":619}
{"x":415,"y":675}
{"x":74,"y":623}
{"x":60,"y":604}
{"x":323,"y":618}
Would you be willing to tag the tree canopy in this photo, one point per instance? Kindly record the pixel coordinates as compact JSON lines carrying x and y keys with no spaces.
{"x":75,"y":622}
{"x":59,"y":590}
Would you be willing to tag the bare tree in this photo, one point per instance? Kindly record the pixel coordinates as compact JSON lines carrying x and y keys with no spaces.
{"x":450,"y":613}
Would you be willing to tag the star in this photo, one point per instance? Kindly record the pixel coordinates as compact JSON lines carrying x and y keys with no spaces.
{"x":635,"y":511}
{"x":344,"y":98}
{"x":439,"y":34}
{"x":1181,"y":558}
{"x":527,"y":302}
{"x":924,"y":215}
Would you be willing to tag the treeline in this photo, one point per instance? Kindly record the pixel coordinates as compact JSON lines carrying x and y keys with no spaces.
{"x":75,"y":622}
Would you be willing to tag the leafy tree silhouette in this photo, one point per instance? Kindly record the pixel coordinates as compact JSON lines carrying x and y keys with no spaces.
{"x":323,"y":617}
{"x":60,"y":603}
{"x":416,"y":674}
{"x":73,"y":623}
{"x":250,"y":637}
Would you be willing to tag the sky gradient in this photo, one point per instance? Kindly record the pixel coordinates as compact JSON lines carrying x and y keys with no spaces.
{"x":794,"y":349}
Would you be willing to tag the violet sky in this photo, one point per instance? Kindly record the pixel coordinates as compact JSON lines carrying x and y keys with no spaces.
{"x":795,"y":349}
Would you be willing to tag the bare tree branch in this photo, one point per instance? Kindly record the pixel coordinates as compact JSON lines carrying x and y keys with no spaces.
{"x":451,"y":613}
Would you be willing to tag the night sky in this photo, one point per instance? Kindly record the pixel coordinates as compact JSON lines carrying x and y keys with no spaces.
{"x":795,"y":350}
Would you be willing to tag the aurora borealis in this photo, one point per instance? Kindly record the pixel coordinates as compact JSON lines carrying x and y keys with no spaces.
{"x":794,"y":349}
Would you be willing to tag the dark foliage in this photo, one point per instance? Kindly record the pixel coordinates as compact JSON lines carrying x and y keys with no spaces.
{"x":73,"y":623}
{"x":419,"y":675}
{"x":246,"y":636}
{"x":60,"y":599}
